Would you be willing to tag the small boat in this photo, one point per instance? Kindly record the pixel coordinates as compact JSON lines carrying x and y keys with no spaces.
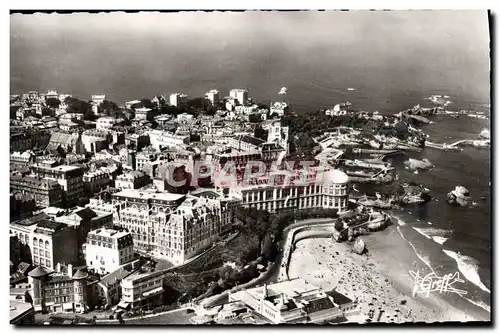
{"x":351,"y":89}
{"x":283,"y":91}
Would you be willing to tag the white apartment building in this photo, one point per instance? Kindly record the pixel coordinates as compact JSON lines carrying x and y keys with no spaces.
{"x":213,"y":96}
{"x":177,"y":99}
{"x":142,"y":290}
{"x":240,"y":95}
{"x":98,"y":98}
{"x":106,"y":250}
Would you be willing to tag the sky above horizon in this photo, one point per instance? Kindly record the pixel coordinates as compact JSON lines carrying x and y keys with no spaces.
{"x":47,"y":48}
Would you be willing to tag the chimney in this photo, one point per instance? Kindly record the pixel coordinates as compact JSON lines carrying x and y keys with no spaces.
{"x":70,"y":270}
{"x":58,"y":267}
{"x":265,"y":291}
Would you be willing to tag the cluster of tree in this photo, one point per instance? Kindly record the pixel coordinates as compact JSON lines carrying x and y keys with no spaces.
{"x":230,"y":277}
{"x":77,"y":106}
{"x":52,"y":102}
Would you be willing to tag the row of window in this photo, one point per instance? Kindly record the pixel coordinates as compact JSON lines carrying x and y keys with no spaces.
{"x":40,"y":243}
{"x":41,"y":252}
{"x":41,"y":261}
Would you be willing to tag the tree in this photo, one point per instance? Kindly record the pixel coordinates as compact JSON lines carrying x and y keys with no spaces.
{"x":146,"y":103}
{"x":52,"y":102}
{"x":108,"y":107}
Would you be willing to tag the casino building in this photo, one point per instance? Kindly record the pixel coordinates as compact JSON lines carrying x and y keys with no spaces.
{"x":322,"y":189}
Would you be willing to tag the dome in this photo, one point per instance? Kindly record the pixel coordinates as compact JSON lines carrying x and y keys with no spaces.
{"x":335,"y":176}
{"x":38,"y":272}
{"x":80,"y":275}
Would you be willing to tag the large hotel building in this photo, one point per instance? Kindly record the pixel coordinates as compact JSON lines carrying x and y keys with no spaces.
{"x":171,"y":225}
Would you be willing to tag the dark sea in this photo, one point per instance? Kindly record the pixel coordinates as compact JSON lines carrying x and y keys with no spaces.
{"x":394,"y":60}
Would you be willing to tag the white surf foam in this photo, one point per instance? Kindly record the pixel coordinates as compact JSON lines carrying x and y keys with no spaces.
{"x":439,"y":240}
{"x":422,"y":258}
{"x":438,"y":235}
{"x":468,"y":267}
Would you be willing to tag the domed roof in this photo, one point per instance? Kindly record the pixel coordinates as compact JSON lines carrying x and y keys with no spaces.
{"x":38,"y":272}
{"x":80,"y":274}
{"x":335,"y":176}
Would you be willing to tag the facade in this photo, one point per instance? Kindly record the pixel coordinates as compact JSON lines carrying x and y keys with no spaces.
{"x":60,"y":291}
{"x":339,"y":109}
{"x":161,"y":139}
{"x":240,"y":95}
{"x":291,"y":302}
{"x":22,"y":159}
{"x":139,"y":140}
{"x":246,"y":110}
{"x":106,"y":123}
{"x":276,"y":133}
{"x":106,"y":250}
{"x":22,"y":141}
{"x":95,"y":181}
{"x":45,"y":192}
{"x":328,"y":190}
{"x":245,"y":143}
{"x":98,"y":98}
{"x":173,"y":226}
{"x":145,"y":157}
{"x":144,"y":114}
{"x":132,"y":180}
{"x":213,"y":96}
{"x":108,"y":291}
{"x":69,"y":177}
{"x":49,"y":242}
{"x":177,"y":99}
{"x":142,"y":290}
{"x":278,"y":108}
{"x":95,"y":140}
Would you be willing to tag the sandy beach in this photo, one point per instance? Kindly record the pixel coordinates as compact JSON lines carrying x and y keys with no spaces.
{"x":380,"y":279}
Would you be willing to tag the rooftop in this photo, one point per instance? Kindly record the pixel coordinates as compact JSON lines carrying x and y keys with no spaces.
{"x":18,"y":309}
{"x":109,"y":233}
{"x":137,"y":193}
{"x":116,"y":275}
{"x":50,"y":225}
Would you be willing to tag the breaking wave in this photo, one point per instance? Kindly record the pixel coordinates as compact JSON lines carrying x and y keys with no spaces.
{"x":425,"y":259}
{"x":468,"y":267}
{"x":438,"y":235}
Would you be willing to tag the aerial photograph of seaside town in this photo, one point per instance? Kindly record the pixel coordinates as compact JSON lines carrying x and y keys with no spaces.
{"x":250,"y":168}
